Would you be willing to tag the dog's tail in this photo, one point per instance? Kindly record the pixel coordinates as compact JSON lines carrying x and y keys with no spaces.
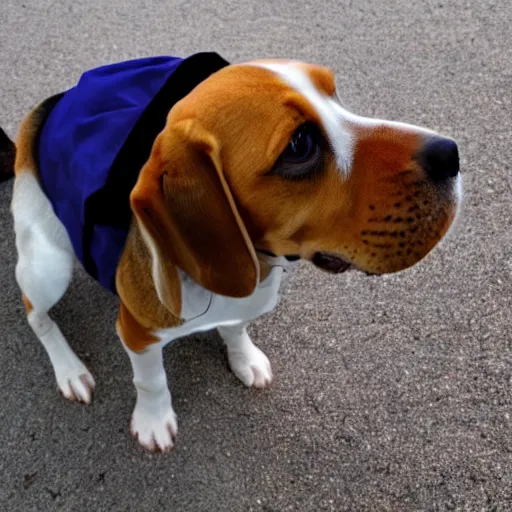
{"x":7,"y":156}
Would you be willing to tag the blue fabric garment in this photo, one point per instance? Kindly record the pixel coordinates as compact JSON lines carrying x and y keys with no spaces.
{"x":95,"y":141}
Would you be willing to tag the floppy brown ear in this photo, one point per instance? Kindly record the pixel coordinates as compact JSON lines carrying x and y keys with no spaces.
{"x":189,"y":218}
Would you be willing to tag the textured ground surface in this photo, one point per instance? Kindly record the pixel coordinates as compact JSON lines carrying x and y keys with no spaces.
{"x":391,"y":393}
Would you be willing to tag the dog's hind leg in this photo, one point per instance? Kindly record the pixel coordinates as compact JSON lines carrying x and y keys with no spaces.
{"x":43,"y":272}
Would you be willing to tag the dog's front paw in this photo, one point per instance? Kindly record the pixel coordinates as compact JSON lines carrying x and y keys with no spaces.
{"x":76,"y":383}
{"x":251,"y":366}
{"x":155,"y":430}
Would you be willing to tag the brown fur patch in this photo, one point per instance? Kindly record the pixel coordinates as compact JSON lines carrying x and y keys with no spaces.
{"x":27,"y":304}
{"x":135,"y":336}
{"x":184,"y":205}
{"x":30,"y":128}
{"x":139,"y":299}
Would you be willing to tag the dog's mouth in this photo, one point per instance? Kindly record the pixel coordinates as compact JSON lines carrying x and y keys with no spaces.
{"x":330,"y":262}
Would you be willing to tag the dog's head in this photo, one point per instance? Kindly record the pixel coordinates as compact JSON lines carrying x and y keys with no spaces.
{"x":262,"y":156}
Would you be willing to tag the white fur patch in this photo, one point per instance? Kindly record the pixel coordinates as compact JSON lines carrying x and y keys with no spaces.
{"x":43,"y":272}
{"x":370,"y":122}
{"x":340,"y":138}
{"x":154,"y":420}
{"x":45,"y":254}
{"x":246,"y":360}
{"x":73,"y":378}
{"x":221,"y":310}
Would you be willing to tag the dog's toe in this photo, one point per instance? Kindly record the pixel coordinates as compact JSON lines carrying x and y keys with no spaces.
{"x":251,"y":366}
{"x":262,"y":377}
{"x":155,"y":433}
{"x":77,"y":385}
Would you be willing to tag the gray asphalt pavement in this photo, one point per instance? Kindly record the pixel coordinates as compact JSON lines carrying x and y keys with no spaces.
{"x":391,"y":393}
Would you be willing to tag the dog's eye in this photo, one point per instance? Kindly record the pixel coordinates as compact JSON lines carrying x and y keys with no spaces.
{"x":302,"y":157}
{"x":301,"y":146}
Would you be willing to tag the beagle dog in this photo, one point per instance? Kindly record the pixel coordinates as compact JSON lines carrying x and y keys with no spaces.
{"x":187,"y":186}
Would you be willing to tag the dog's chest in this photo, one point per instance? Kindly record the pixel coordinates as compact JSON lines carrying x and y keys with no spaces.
{"x":204,"y":310}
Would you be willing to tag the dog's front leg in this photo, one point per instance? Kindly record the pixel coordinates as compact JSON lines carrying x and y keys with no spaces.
{"x":246,"y":360}
{"x":154,"y":420}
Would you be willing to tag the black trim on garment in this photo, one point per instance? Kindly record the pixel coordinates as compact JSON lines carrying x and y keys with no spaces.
{"x":111,"y":204}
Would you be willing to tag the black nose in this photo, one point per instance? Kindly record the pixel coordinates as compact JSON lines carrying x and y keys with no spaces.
{"x":440,"y":158}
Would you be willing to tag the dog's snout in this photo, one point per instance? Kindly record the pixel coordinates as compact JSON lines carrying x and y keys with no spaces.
{"x":440,"y":158}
